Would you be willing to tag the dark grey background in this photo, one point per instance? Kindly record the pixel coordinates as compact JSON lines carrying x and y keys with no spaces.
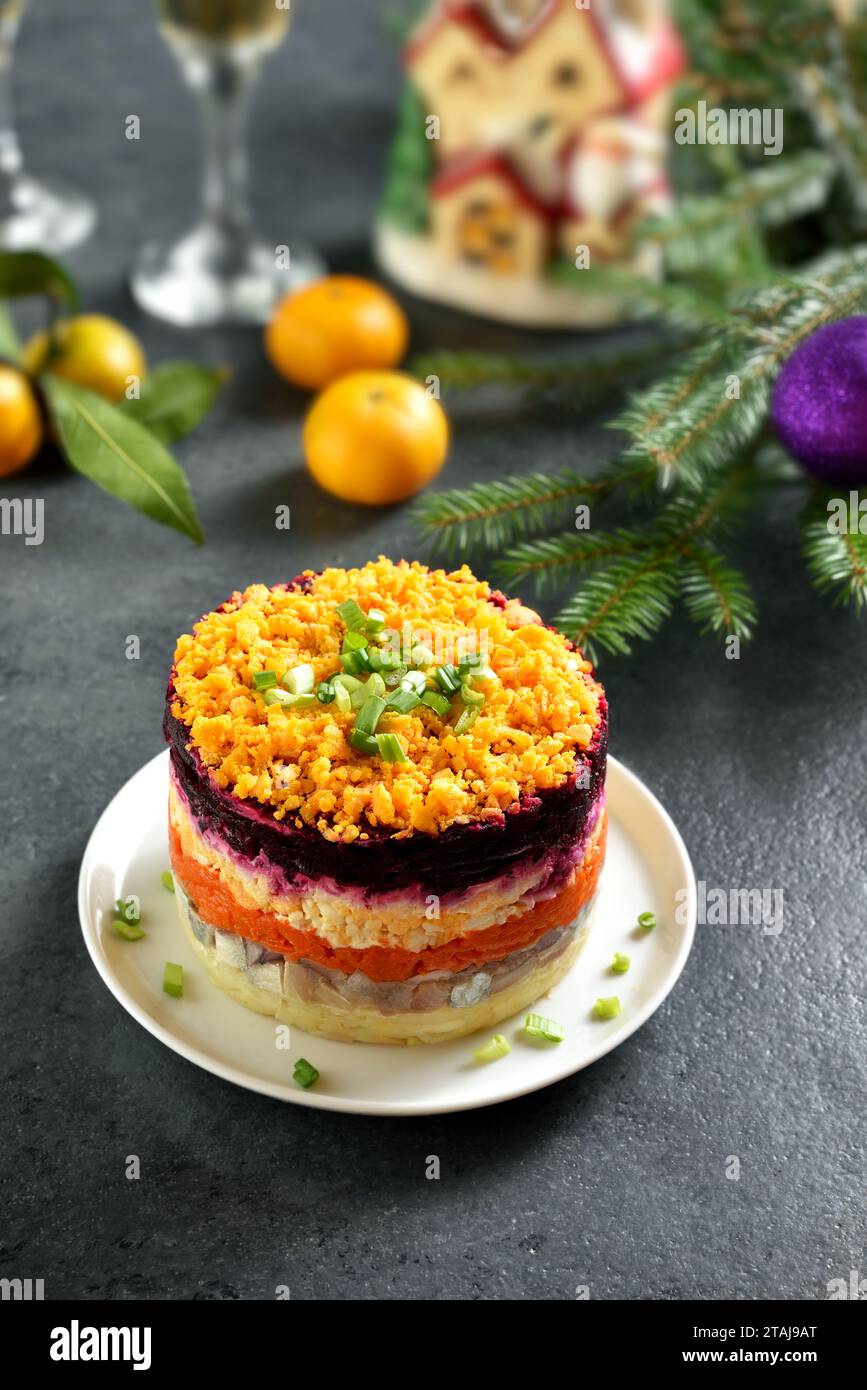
{"x":616,"y":1177}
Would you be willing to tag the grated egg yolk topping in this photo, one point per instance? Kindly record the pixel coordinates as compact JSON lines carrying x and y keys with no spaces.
{"x":539,"y":715}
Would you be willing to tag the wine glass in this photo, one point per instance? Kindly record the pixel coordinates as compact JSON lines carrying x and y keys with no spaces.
{"x":220,"y":272}
{"x":35,"y":214}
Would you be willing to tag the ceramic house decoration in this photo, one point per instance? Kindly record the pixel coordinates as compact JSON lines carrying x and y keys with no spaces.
{"x":532,"y":138}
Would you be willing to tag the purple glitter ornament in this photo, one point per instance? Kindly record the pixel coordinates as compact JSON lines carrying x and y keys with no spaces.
{"x":819,"y":408}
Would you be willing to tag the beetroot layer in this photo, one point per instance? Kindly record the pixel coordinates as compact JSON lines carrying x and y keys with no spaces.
{"x":463,"y":855}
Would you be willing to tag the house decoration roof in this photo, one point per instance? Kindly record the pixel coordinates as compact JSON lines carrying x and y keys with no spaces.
{"x":641,"y":67}
{"x":465,"y":168}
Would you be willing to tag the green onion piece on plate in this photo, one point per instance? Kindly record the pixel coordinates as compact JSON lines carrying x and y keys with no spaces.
{"x":440,"y":704}
{"x":353,"y":615}
{"x":129,"y":909}
{"x":305,"y":1074}
{"x":391,"y":750}
{"x":325,"y":693}
{"x":646,"y":921}
{"x":535,"y":1026}
{"x":167,"y":880}
{"x":173,"y":980}
{"x":375,"y":620}
{"x":348,"y":682}
{"x":375,"y":685}
{"x":130,"y":931}
{"x":490,"y":1051}
{"x":264,"y":680}
{"x":620,"y":963}
{"x":607,"y":1008}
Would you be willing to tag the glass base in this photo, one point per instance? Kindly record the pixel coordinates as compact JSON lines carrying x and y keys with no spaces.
{"x":205,"y":279}
{"x":44,"y":215}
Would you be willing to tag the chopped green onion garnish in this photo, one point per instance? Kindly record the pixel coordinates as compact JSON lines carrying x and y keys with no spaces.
{"x":468,"y":660}
{"x":354,"y":663}
{"x":646,"y":920}
{"x":365,"y":743}
{"x":353,"y":615}
{"x":467,"y":719}
{"x":342,"y":699}
{"x":607,"y":1008}
{"x":173,"y":980}
{"x":422,"y":655}
{"x":358,"y":697}
{"x":391,"y":750}
{"x":447,"y":678}
{"x":375,"y":620}
{"x":403,"y":701}
{"x":490,"y":1051}
{"x":264,"y":680}
{"x":415,"y":680}
{"x":128,"y":909}
{"x":369,"y":714}
{"x":470,"y":696}
{"x":300,"y":680}
{"x":276,"y":696}
{"x":620,"y":963}
{"x":437,"y":702}
{"x":481,"y":673}
{"x":167,"y":880}
{"x":130,"y":931}
{"x":535,"y":1026}
{"x":348,"y":682}
{"x":354,"y":641}
{"x":325,"y":692}
{"x":383,"y":661}
{"x":305,"y":1074}
{"x":394,"y":677}
{"x":285,"y":700}
{"x":375,"y":685}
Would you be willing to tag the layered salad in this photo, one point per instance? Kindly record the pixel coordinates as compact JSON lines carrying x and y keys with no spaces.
{"x":387,"y":801}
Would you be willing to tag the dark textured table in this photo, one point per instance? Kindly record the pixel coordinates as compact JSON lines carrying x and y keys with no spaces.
{"x":615,"y":1178}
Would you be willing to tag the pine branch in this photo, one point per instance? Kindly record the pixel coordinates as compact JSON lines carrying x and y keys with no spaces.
{"x":628,"y":599}
{"x":586,"y":373}
{"x":684,"y":306}
{"x":549,"y":562}
{"x":836,"y":561}
{"x":491,"y":515}
{"x":716,"y":596}
{"x":702,"y":229}
{"x":717,"y":403}
{"x":633,"y":595}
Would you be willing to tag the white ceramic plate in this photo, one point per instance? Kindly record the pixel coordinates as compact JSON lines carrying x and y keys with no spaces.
{"x":647,"y":866}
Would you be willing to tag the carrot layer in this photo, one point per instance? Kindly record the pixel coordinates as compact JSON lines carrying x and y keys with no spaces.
{"x":216,"y":904}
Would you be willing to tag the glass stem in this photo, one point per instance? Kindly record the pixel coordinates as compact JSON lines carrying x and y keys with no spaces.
{"x":10,"y":150}
{"x":224,"y":98}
